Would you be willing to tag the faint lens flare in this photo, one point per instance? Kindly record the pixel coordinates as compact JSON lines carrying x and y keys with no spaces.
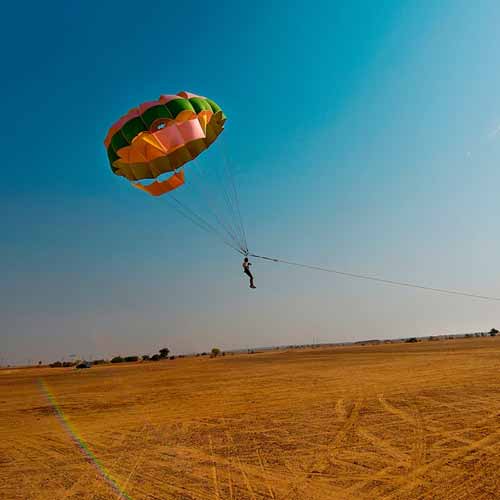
{"x":79,"y":441}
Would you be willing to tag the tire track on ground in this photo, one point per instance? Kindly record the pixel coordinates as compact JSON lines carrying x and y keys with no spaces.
{"x":319,"y":468}
{"x":415,"y":479}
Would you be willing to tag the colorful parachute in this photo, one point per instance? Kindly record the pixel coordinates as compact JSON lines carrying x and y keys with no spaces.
{"x":161,"y":136}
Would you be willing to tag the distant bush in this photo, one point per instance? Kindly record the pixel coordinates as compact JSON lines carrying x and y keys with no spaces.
{"x":131,"y":359}
{"x":215,"y":352}
{"x":56,"y":364}
{"x":172,"y":357}
{"x":99,"y":362}
{"x":68,"y":364}
{"x":411,"y":340}
{"x":204,"y":353}
{"x":155,"y":357}
{"x":146,"y":357}
{"x":164,"y":353}
{"x":468,"y":335}
{"x":493,"y":332}
{"x":117,"y":359}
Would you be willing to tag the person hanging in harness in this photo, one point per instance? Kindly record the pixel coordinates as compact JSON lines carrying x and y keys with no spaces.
{"x":246,"y":270}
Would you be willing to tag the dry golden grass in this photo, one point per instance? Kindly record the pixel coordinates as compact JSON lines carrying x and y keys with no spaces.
{"x":401,"y":421}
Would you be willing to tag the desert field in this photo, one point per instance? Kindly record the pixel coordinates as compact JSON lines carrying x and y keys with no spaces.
{"x":392,"y":421}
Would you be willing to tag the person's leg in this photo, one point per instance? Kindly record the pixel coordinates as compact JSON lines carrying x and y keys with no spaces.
{"x":249,"y":274}
{"x":251,"y":280}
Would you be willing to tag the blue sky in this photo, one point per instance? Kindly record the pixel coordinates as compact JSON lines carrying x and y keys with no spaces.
{"x":365,"y":136}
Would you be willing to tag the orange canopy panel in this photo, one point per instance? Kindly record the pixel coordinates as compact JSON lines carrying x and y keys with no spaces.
{"x":158,"y":188}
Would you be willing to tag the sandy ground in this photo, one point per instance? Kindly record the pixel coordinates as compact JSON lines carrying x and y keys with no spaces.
{"x":401,"y":421}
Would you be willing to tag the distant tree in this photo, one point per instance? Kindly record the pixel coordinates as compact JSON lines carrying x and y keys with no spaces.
{"x":117,"y":359}
{"x":98,"y":361}
{"x":155,"y":357}
{"x":56,"y":364}
{"x":164,"y":353}
{"x":68,"y":364}
{"x":411,"y":340}
{"x":215,"y":352}
{"x":172,"y":357}
{"x":204,"y":353}
{"x":468,"y":335}
{"x":493,"y":332}
{"x":39,"y":363}
{"x":146,"y":357}
{"x":131,"y":359}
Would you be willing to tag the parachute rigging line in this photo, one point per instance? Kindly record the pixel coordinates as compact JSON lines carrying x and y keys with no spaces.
{"x":199,"y":221}
{"x":377,"y":279}
{"x":237,"y":211}
{"x":222,"y":210}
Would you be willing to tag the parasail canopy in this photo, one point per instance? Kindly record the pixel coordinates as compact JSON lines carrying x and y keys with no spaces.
{"x":161,"y":136}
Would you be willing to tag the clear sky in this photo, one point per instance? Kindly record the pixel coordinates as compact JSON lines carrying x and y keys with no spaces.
{"x":366,"y":137}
